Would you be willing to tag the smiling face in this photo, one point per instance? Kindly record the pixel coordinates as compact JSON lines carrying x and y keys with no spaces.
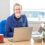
{"x":17,"y":10}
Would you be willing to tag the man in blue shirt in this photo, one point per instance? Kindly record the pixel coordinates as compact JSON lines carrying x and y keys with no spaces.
{"x":15,"y":20}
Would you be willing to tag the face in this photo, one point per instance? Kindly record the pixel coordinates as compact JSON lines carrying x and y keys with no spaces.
{"x":18,"y":11}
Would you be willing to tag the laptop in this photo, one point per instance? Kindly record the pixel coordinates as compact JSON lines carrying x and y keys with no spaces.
{"x":22,"y":34}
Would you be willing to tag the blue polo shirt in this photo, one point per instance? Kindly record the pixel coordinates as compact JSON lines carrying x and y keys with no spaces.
{"x":13,"y":22}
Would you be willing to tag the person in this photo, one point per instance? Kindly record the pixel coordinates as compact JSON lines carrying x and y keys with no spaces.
{"x":42,"y":28}
{"x":17,"y":19}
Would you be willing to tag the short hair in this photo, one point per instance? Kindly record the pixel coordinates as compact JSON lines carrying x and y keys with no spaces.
{"x":16,"y":4}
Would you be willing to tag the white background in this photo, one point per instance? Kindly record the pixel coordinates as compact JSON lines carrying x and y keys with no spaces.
{"x":38,"y":5}
{"x":6,"y":6}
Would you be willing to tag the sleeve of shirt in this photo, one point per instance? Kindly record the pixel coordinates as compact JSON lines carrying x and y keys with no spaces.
{"x":7,"y":27}
{"x":26,"y":21}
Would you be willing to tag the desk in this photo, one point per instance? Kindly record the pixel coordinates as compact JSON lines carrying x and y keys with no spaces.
{"x":6,"y":42}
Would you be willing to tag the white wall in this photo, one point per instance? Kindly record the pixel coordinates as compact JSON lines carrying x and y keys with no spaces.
{"x":4,"y":9}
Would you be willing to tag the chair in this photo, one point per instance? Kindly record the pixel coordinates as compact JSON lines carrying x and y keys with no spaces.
{"x":2,"y":27}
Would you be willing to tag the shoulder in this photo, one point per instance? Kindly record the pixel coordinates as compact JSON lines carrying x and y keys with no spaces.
{"x":10,"y":17}
{"x":24,"y":16}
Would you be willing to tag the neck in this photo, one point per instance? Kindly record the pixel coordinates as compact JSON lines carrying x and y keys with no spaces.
{"x":17,"y":15}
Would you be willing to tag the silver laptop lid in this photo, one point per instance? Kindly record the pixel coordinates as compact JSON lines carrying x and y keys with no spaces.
{"x":22,"y":33}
